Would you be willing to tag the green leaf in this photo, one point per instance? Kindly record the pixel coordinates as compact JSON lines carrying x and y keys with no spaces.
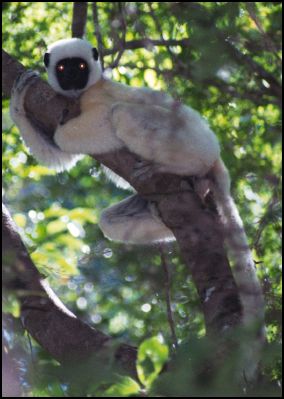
{"x":55,"y":227}
{"x":126,"y":386}
{"x":152,"y":355}
{"x":83,"y":215}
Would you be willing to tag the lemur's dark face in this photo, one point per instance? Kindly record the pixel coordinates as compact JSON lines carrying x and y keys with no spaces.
{"x":72,"y":73}
{"x":72,"y":66}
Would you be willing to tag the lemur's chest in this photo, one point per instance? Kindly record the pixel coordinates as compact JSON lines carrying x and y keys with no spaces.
{"x":91,"y":132}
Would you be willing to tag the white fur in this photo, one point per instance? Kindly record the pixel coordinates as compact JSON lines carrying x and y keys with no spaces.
{"x":43,"y":151}
{"x":114,"y":116}
{"x":116,"y":179}
{"x":132,"y":221}
{"x":67,"y":48}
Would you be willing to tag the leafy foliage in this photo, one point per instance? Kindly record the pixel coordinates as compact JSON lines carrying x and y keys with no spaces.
{"x":229,"y":70}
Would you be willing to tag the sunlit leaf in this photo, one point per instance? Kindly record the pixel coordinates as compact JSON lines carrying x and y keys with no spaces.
{"x":125,"y":387}
{"x":152,"y":355}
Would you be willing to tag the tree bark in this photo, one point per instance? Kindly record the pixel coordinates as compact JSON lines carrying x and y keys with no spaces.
{"x":195,"y":224}
{"x":79,"y":20}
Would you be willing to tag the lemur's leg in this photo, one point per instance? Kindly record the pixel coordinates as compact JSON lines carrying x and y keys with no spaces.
{"x":133,"y":221}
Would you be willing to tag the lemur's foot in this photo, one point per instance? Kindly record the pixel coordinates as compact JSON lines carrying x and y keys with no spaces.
{"x":202,"y":187}
{"x":144,"y":170}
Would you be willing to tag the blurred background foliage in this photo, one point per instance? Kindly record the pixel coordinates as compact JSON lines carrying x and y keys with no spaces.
{"x":229,"y":71}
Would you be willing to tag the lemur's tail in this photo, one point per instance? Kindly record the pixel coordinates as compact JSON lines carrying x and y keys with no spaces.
{"x":243,"y":265}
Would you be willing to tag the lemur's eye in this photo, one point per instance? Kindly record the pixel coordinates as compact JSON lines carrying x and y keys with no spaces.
{"x":82,"y":66}
{"x":60,"y":68}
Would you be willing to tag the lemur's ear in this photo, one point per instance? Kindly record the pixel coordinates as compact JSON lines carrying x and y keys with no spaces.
{"x":46,"y":59}
{"x":95,"y":54}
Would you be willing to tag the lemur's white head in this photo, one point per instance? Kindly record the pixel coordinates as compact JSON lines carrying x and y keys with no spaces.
{"x":72,"y":66}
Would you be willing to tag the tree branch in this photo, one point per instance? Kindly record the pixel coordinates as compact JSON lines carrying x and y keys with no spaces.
{"x":196,"y":227}
{"x":49,"y":322}
{"x":122,"y":39}
{"x":275,"y":87}
{"x":148,"y":44}
{"x":98,"y":33}
{"x":11,"y":69}
{"x":43,"y":105}
{"x":79,"y":18}
{"x":269,"y":44}
{"x":166,"y":268}
{"x":199,"y":235}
